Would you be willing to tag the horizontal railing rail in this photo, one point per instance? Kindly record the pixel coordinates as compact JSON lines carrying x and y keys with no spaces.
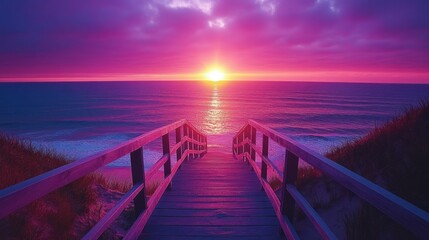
{"x":190,"y":143}
{"x":244,"y":147}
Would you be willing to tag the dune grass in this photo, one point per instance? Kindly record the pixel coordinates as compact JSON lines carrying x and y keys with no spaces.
{"x":54,"y":216}
{"x":394,"y":156}
{"x":66,"y":213}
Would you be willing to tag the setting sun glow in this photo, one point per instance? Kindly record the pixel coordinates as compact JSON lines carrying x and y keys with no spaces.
{"x":215,"y":75}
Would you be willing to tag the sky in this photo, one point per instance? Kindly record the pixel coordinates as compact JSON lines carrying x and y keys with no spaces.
{"x":315,"y":40}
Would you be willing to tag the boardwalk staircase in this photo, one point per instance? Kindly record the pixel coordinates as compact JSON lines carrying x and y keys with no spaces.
{"x":214,"y":195}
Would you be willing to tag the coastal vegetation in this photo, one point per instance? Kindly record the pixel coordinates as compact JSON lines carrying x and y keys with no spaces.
{"x":63,"y":214}
{"x":394,"y":156}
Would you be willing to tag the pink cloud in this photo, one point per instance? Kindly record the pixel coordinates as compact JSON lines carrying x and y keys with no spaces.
{"x":178,"y":36}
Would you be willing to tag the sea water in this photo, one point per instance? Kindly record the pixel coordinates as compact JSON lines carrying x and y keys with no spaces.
{"x":81,"y":118}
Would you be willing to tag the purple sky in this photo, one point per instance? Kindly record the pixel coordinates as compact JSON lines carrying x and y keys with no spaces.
{"x":361,"y":40}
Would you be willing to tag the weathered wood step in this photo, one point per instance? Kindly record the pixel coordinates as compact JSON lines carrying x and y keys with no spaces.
{"x":215,"y":197}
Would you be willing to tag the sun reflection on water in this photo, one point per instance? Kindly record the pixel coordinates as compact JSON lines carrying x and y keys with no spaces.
{"x":214,"y":120}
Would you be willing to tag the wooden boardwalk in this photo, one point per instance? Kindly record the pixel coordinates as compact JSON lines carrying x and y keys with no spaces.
{"x":215,"y":197}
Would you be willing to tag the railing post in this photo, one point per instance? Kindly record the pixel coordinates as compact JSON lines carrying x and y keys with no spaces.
{"x":200,"y":147}
{"x":290,"y":172}
{"x":247,"y":135}
{"x":186,"y":145}
{"x":166,"y":150}
{"x":197,"y":146}
{"x":233,"y":148}
{"x":240,"y":139}
{"x":137,"y":170}
{"x":191,"y":144}
{"x":178,"y":140}
{"x":243,"y":134}
{"x":195,"y":136}
{"x":264,"y":154}
{"x":205,"y":144}
{"x":253,"y":137}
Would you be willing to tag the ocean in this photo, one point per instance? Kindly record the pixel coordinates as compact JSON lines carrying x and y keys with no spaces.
{"x":79,"y":119}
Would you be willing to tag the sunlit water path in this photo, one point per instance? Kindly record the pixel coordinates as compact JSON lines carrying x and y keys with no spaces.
{"x":78,"y":119}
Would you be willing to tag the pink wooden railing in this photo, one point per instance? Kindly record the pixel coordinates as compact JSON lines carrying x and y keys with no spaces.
{"x":192,"y":143}
{"x":244,"y":147}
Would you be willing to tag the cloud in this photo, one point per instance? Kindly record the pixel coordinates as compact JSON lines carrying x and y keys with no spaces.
{"x":173,"y":36}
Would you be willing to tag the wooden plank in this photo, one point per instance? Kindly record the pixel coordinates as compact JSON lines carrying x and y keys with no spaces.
{"x":138,"y":174}
{"x":212,"y":199}
{"x":113,"y":213}
{"x":220,"y":164}
{"x":309,"y":211}
{"x":215,"y":205}
{"x":229,"y":237}
{"x":215,"y":187}
{"x":255,"y":213}
{"x":408,"y":215}
{"x":216,"y":193}
{"x":217,"y":171}
{"x":203,"y":231}
{"x":214,"y":221}
{"x":218,"y":175}
{"x":210,"y":180}
{"x":244,"y":193}
{"x":215,"y":181}
{"x":200,"y":193}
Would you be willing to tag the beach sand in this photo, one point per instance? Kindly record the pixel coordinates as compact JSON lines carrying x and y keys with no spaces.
{"x":122,"y":175}
{"x":118,"y":174}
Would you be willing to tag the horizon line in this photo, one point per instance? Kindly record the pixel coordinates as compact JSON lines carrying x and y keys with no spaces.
{"x":293,"y":76}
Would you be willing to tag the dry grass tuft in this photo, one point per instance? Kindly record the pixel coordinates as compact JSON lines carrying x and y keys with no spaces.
{"x":151,"y":187}
{"x":275,"y":182}
{"x":54,"y":215}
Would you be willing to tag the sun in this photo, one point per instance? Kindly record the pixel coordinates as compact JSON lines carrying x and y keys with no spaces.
{"x":215,"y":75}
